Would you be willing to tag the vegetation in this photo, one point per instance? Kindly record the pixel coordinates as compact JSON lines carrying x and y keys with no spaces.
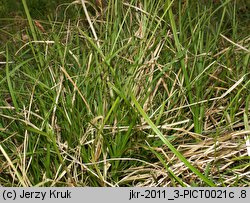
{"x":134,"y":93}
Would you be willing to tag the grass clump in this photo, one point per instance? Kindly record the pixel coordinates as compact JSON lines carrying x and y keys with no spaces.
{"x":137,"y":93}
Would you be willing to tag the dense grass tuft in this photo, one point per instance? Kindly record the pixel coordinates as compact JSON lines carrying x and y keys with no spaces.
{"x":136,"y":93}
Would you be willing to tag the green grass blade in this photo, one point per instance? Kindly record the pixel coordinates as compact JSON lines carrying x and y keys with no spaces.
{"x":179,"y":180}
{"x":32,"y":29}
{"x":11,"y":91}
{"x":170,"y":146}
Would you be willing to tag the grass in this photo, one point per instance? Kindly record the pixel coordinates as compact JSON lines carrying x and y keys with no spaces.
{"x":140,"y":93}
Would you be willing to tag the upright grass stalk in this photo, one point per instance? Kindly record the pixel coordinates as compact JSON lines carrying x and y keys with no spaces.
{"x":179,"y":51}
{"x":11,"y":91}
{"x":33,"y":32}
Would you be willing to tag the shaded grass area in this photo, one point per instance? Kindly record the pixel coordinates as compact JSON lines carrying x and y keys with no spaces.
{"x":38,"y":8}
{"x":139,"y":93}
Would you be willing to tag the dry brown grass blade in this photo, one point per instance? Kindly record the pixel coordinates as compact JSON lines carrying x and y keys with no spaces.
{"x":20,"y":178}
{"x":75,"y":86}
